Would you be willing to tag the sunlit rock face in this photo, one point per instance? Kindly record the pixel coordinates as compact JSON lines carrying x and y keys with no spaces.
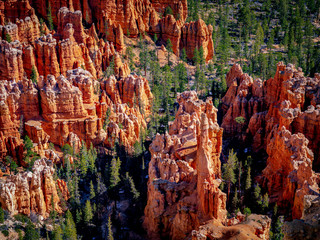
{"x":184,"y":172}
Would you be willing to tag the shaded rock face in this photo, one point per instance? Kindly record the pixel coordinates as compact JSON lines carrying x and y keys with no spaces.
{"x":184,"y":172}
{"x":308,"y":226}
{"x":281,"y":116}
{"x":33,"y":191}
{"x":113,"y":19}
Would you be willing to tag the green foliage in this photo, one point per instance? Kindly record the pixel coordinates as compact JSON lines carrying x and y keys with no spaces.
{"x":28,"y":145}
{"x":131,"y":187}
{"x":109,"y":228}
{"x":240,"y":120}
{"x":92,"y":191}
{"x":30,"y":232}
{"x":12,"y":163}
{"x":67,"y":149}
{"x":87,"y":212}
{"x":247,"y":211}
{"x":49,"y":17}
{"x":33,"y":75}
{"x":5,"y":233}
{"x":248,"y":179}
{"x":70,"y":231}
{"x":228,"y":169}
{"x":235,"y":200}
{"x":21,"y":218}
{"x":168,"y":11}
{"x":57,"y":233}
{"x":107,"y":119}
{"x":184,"y":55}
{"x":8,"y":38}
{"x":1,"y":215}
{"x":114,"y":172}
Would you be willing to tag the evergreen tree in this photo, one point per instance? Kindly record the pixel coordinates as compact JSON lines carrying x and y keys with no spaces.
{"x":248,"y":179}
{"x":131,"y":186}
{"x":83,"y":159}
{"x":114,"y":172}
{"x":196,"y":57}
{"x":49,"y":17}
{"x":228,"y":170}
{"x":30,"y":232}
{"x":169,"y":48}
{"x":78,"y":216}
{"x":8,"y":38}
{"x":70,"y":231}
{"x":33,"y":75}
{"x":1,"y":215}
{"x":57,"y":233}
{"x":184,"y":55}
{"x":265,"y":201}
{"x":92,"y":191}
{"x":109,"y":228}
{"x":87,"y":213}
{"x":235,"y":200}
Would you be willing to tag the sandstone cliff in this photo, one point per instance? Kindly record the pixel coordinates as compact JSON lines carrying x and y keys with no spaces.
{"x":33,"y":191}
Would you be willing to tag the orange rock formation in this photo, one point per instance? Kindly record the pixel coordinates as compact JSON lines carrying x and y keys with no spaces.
{"x":113,"y":19}
{"x":184,"y":172}
{"x":281,"y":115}
{"x":32,"y":191}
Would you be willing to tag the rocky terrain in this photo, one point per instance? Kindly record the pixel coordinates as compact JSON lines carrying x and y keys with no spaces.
{"x":88,"y":143}
{"x":280,"y":116}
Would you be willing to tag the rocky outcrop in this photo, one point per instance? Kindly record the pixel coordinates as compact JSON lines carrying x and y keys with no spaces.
{"x":288,"y":175}
{"x":32,"y":191}
{"x":308,"y":226}
{"x":260,"y":105}
{"x":254,"y":227}
{"x":184,"y":172}
{"x":279,"y":115}
{"x":69,"y":110}
{"x":11,"y":64}
{"x":195,"y":35}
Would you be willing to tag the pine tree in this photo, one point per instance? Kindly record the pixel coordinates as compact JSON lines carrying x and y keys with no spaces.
{"x":248,"y":179}
{"x":33,"y":75}
{"x":49,"y":16}
{"x":70,"y":231}
{"x":109,"y":227}
{"x":83,"y":159}
{"x":78,"y":216}
{"x":196,"y":57}
{"x":30,"y":232}
{"x":8,"y":38}
{"x":92,"y":191}
{"x":265,"y":201}
{"x":169,"y":48}
{"x":114,"y":172}
{"x":1,"y":215}
{"x":201,"y":55}
{"x":184,"y":55}
{"x":228,"y":167}
{"x":131,"y":186}
{"x":57,"y":233}
{"x":87,"y":213}
{"x":235,"y":200}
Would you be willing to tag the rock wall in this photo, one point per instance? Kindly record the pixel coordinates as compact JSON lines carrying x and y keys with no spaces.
{"x":184,"y":172}
{"x":33,"y":191}
{"x":281,"y":117}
